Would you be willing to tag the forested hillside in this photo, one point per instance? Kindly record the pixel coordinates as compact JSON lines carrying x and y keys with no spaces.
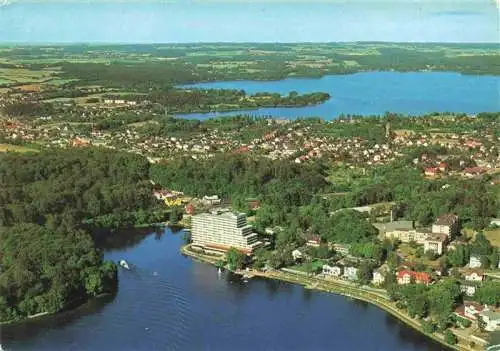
{"x":48,"y":259}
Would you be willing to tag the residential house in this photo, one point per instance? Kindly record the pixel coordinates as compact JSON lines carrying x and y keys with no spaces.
{"x":470,"y":310}
{"x":314,"y":241}
{"x":297,"y":255}
{"x":342,"y":249}
{"x":435,"y":243}
{"x":332,"y":271}
{"x":474,"y":275}
{"x":474,"y":261}
{"x":431,"y":171}
{"x":379,"y":275}
{"x":473,"y":171}
{"x":189,"y":209}
{"x":446,"y":224}
{"x":406,"y":277}
{"x":469,"y":289}
{"x":443,"y":167}
{"x":491,"y":318}
{"x":350,"y":273}
{"x":253,"y":204}
{"x":211,"y":200}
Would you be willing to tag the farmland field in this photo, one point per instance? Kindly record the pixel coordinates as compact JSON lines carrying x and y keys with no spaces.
{"x":16,"y":148}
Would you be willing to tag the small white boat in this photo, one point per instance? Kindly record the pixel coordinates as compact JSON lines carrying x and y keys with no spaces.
{"x":124,"y":264}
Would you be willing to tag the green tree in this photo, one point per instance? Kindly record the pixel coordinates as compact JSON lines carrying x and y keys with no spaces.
{"x":428,"y":327}
{"x":365,"y":272}
{"x":450,"y":337}
{"x":235,"y":258}
{"x":488,"y":293}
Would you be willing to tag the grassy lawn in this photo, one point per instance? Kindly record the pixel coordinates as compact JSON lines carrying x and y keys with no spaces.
{"x":316,"y":265}
{"x":16,"y":148}
{"x":493,"y":235}
{"x":408,"y":253}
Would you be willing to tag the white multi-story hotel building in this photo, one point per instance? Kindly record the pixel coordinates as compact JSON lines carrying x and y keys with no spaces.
{"x":219,"y":231}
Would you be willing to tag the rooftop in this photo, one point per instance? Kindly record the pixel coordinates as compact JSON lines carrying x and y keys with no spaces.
{"x":395,"y":225}
{"x":437,"y":237}
{"x":446,"y":219}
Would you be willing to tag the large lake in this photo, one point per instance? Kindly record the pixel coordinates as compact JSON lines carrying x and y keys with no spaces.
{"x":372,"y":93}
{"x":171,"y":302}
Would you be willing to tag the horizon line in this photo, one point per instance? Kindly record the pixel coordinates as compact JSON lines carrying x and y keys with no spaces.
{"x":63,"y":43}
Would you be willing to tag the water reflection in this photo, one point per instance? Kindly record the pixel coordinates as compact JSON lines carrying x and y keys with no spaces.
{"x":31,"y":328}
{"x":410,"y":336}
{"x":123,"y":239}
{"x":170,"y":302}
{"x":276,"y":288}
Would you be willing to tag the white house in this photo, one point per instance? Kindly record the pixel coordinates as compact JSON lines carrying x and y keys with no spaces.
{"x":472,"y":309}
{"x":435,"y":243}
{"x":492,"y":320}
{"x":474,"y":276}
{"x":211,"y":200}
{"x":332,"y":271}
{"x":296,"y":254}
{"x":474,"y":261}
{"x":379,"y":276}
{"x":468,"y":289}
{"x":350,"y":273}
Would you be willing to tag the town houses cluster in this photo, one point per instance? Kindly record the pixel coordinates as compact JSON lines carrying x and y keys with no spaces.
{"x":297,"y":141}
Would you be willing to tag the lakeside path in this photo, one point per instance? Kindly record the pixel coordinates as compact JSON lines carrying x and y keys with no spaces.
{"x":370,"y":295}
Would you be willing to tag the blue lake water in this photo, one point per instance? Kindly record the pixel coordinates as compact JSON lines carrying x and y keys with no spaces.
{"x":171,"y":302}
{"x":371,"y":93}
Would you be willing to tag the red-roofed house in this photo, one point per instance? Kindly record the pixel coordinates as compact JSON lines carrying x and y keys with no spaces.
{"x":406,"y":276}
{"x":242,"y":149}
{"x":253,"y":204}
{"x":431,"y":171}
{"x":190,"y":209}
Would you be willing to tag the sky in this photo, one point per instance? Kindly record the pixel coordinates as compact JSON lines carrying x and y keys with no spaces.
{"x":179,"y":21}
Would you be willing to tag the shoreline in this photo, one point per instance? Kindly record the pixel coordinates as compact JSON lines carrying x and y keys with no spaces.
{"x":339,"y":288}
{"x":71,"y":306}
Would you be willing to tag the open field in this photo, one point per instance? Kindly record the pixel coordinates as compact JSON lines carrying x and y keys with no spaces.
{"x":16,"y":148}
{"x":493,"y":235}
{"x":21,"y":75}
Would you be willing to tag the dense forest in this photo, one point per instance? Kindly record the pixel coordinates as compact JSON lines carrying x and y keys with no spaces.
{"x":48,"y":203}
{"x":294,"y":197}
{"x":283,"y":186}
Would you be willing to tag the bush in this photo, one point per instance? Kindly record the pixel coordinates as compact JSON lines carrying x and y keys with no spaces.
{"x":428,"y":327}
{"x":450,"y":337}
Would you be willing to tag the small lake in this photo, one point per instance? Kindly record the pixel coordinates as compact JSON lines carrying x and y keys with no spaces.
{"x":171,"y":302}
{"x":374,"y":93}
